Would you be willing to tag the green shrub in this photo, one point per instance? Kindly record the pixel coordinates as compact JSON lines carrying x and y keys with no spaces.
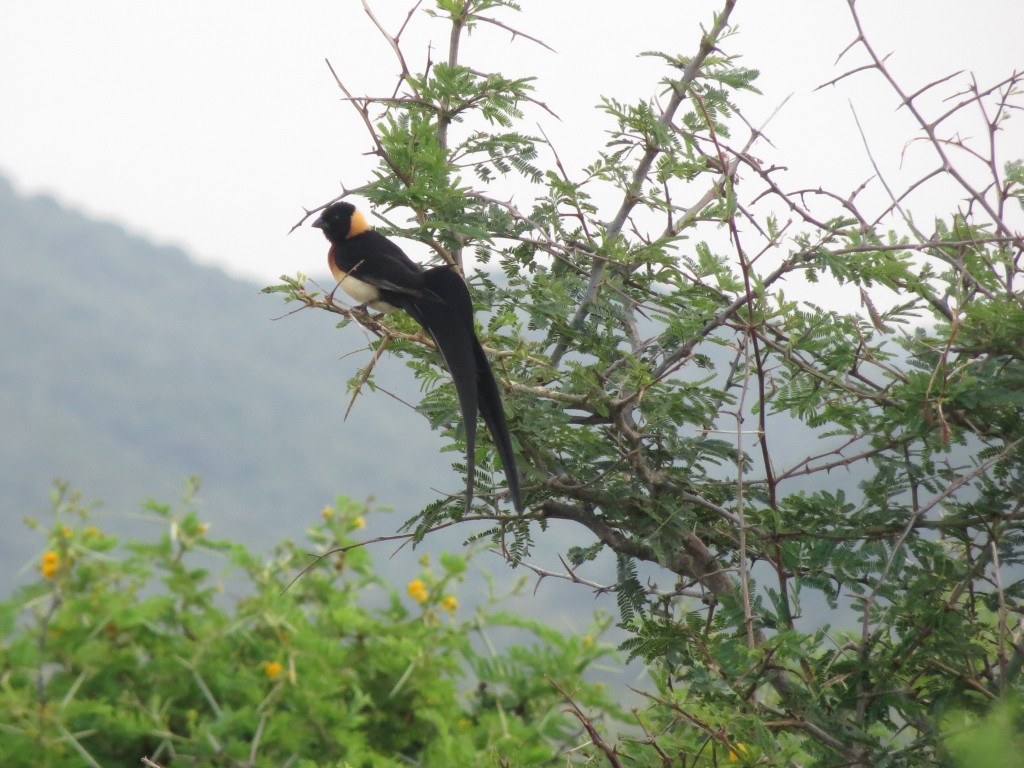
{"x":116,"y":653}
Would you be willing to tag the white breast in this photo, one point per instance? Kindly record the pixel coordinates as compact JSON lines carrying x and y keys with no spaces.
{"x":363,"y":293}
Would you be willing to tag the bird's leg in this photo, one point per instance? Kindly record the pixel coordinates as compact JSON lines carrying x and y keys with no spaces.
{"x":359,"y":309}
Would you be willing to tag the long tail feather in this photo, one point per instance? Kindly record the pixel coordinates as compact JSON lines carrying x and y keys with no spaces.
{"x":446,"y":312}
{"x":493,"y":411}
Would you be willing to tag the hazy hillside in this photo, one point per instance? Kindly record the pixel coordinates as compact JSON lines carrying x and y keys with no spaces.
{"x":126,"y":367}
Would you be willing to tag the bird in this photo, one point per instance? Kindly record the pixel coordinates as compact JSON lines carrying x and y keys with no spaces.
{"x":375,"y":272}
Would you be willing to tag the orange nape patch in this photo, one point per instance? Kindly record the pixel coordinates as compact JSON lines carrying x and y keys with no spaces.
{"x":357,"y":225}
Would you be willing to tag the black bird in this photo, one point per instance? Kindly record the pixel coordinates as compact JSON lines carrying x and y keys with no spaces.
{"x":377,"y":273}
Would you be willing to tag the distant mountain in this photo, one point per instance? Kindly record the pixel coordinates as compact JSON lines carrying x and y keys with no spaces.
{"x":125,"y":367}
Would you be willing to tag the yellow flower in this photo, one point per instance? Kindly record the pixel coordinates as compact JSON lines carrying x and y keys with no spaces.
{"x":92,"y":532}
{"x":203,"y":528}
{"x":417,"y":591}
{"x":450,"y":604}
{"x":50,"y":564}
{"x":326,"y":513}
{"x":66,"y":532}
{"x":738,"y":754}
{"x":359,"y":523}
{"x":272,"y":669}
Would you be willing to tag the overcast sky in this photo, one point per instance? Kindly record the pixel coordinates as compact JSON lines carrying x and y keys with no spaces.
{"x":210,"y":124}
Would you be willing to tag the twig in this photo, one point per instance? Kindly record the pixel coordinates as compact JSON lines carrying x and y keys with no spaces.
{"x":367,"y":372}
{"x":611,"y":753}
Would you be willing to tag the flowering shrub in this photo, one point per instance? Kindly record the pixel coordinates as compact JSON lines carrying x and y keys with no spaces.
{"x":130,"y":650}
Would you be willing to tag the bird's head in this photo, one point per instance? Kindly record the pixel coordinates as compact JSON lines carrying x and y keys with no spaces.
{"x":340,"y":221}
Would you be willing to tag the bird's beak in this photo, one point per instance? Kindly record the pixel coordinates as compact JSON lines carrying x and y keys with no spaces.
{"x":319,"y":223}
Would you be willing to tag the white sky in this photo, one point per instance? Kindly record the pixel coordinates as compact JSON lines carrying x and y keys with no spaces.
{"x":209,"y":124}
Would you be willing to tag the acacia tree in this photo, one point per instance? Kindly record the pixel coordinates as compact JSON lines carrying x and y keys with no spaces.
{"x":656,"y":379}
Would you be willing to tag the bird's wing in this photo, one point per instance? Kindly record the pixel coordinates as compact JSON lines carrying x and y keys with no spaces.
{"x":375,"y":260}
